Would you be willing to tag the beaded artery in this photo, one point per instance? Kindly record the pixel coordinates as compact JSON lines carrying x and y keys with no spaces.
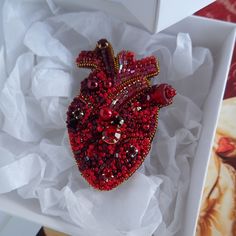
{"x":113,"y":120}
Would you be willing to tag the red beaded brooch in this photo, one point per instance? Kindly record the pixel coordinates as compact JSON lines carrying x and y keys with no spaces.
{"x":113,"y":120}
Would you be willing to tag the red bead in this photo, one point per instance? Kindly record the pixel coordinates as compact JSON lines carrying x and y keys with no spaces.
{"x":170,"y":92}
{"x":100,"y":128}
{"x":105,"y":113}
{"x":107,"y":84}
{"x":163,"y":94}
{"x":146,"y":127}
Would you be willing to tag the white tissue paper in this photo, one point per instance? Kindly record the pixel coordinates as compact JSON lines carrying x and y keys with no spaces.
{"x":38,"y":79}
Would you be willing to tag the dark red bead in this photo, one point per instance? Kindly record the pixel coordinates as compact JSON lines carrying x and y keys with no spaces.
{"x":92,"y":84}
{"x":107,"y":84}
{"x":102,"y":43}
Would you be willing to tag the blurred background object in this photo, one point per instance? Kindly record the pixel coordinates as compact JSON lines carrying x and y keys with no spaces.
{"x":49,"y":232}
{"x":218,"y":209}
{"x":224,"y":10}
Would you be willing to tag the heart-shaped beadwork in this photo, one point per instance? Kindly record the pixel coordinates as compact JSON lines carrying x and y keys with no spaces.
{"x":113,"y":120}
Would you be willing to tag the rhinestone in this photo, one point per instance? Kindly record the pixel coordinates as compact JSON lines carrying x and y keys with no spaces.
{"x":114,"y":102}
{"x":78,"y":114}
{"x":132,"y":152}
{"x":118,"y":121}
{"x":120,"y":68}
{"x":111,"y":135}
{"x":116,"y":155}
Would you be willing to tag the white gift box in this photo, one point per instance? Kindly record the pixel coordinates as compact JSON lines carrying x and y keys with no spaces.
{"x":154,"y":15}
{"x":219,"y":37}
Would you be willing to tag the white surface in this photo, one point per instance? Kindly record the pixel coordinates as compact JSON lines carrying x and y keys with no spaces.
{"x":19,"y":226}
{"x":153,"y":15}
{"x":4,"y":218}
{"x":216,"y":46}
{"x":30,"y":210}
{"x":171,"y":12}
{"x":12,"y":225}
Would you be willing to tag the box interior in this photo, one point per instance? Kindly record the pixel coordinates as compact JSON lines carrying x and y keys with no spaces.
{"x":170,"y":12}
{"x":131,"y":13}
{"x":158,"y":14}
{"x":221,"y":45}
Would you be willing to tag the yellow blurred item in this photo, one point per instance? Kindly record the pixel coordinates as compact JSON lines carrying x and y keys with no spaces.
{"x":50,"y":232}
{"x":218,"y":210}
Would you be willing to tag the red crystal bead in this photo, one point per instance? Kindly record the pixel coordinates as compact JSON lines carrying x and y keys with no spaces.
{"x":105,"y":113}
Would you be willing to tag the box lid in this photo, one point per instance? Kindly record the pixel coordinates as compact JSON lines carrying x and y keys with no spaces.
{"x":153,"y":15}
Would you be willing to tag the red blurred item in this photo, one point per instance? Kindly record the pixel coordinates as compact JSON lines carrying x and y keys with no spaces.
{"x":224,"y":10}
